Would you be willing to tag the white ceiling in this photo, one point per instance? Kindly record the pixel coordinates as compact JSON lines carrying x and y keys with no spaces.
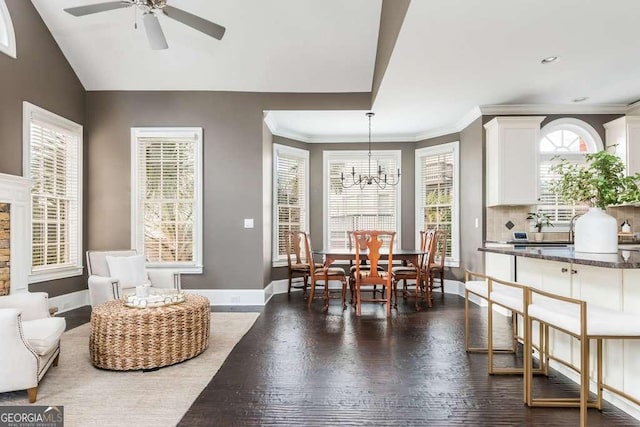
{"x":451,"y":57}
{"x":269,"y":46}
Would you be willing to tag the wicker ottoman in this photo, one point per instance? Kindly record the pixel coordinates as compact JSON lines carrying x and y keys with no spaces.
{"x":124,"y":338}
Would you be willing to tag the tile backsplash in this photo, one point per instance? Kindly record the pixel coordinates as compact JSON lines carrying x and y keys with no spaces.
{"x":498,"y":216}
{"x":630,"y":213}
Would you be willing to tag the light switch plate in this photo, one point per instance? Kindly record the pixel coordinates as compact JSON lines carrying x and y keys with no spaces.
{"x":248,"y":223}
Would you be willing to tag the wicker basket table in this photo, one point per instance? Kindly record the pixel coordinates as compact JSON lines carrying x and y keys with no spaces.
{"x":124,"y":338}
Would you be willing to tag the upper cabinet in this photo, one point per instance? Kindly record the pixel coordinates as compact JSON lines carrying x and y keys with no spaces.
{"x":512,"y":160}
{"x":624,"y":134}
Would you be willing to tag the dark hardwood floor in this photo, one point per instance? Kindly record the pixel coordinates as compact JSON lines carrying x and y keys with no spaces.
{"x":305,"y":367}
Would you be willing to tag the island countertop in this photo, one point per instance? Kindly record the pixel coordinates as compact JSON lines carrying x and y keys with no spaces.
{"x":624,"y":258}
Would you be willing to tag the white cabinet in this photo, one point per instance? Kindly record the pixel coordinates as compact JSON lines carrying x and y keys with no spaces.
{"x":512,"y":160}
{"x":499,"y":266}
{"x":624,"y":133}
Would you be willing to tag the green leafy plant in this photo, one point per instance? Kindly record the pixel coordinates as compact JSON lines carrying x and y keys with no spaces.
{"x":600,"y":183}
{"x":539,"y":220}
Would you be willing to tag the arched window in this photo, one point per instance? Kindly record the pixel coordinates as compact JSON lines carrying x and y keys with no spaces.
{"x":570,"y":139}
{"x":7,"y":36}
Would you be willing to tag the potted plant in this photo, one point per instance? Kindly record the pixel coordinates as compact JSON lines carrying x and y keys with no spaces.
{"x":599,"y":183}
{"x":539,"y":220}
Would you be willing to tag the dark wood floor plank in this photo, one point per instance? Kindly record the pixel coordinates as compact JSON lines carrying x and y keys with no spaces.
{"x":305,"y":367}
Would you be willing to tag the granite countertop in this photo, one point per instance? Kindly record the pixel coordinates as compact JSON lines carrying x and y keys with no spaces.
{"x":624,"y":258}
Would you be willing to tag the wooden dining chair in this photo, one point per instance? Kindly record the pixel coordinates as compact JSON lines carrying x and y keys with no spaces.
{"x":297,"y":264}
{"x":404,"y":273}
{"x":373,"y":244}
{"x":321,"y":275}
{"x":410,"y":272}
{"x":437,"y":267}
{"x":363,"y":265}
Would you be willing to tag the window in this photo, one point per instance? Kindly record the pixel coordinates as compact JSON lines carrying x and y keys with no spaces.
{"x":291,"y":196}
{"x":53,"y":161}
{"x":570,"y":139}
{"x":370,"y":208}
{"x":437,"y":194}
{"x":167,"y":197}
{"x":7,"y":35}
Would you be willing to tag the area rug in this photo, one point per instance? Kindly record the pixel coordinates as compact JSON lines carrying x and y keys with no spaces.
{"x":94,"y":397}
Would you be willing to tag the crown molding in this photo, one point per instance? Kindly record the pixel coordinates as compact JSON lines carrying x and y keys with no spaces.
{"x":491,"y":110}
{"x":633,"y":109}
{"x":463,"y":122}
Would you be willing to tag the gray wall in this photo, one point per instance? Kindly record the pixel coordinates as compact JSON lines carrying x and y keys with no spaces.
{"x":42,"y":76}
{"x":472,"y":198}
{"x":392,"y":17}
{"x":234,"y":171}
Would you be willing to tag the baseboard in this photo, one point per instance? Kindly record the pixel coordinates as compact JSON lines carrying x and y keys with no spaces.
{"x":70,"y":301}
{"x":281,"y":286}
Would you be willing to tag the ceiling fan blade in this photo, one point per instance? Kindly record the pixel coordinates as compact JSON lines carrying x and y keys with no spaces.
{"x":154,"y":31}
{"x":95,"y":8}
{"x":207,"y":27}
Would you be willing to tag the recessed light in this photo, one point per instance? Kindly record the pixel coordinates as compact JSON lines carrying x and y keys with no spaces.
{"x":549,"y":60}
{"x":581,"y":99}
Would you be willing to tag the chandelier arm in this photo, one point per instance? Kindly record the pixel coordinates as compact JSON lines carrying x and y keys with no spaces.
{"x":381,"y":179}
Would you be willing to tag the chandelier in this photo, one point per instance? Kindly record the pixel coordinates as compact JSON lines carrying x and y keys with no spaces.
{"x":380,"y":179}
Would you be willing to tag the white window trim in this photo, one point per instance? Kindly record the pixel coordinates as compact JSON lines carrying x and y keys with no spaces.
{"x":582,"y":129}
{"x":455,"y":215}
{"x":328,"y":155}
{"x":196,"y":266}
{"x":297,"y":152}
{"x":10,"y":47}
{"x":28,"y":109}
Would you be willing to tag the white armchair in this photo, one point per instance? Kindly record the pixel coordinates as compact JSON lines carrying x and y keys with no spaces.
{"x":105,"y":285}
{"x":30,"y":341}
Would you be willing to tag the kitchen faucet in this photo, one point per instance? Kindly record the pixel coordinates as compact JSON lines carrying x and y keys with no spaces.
{"x":572,"y":225}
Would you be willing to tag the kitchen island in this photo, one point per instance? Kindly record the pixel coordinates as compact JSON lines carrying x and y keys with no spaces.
{"x":606,"y":280}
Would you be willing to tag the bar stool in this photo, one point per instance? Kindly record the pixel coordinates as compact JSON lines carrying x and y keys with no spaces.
{"x":480,"y":288}
{"x":571,"y":316}
{"x":514,"y":297}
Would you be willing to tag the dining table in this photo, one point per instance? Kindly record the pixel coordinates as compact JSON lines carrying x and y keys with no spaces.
{"x":330,"y":256}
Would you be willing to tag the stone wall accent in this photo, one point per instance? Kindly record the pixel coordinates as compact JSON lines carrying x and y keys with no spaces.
{"x":4,"y":249}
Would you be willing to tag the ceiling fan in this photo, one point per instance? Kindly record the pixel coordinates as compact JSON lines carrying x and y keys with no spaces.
{"x":149,"y":8}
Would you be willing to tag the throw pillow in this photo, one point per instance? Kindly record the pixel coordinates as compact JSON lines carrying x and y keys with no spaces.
{"x":129,"y":270}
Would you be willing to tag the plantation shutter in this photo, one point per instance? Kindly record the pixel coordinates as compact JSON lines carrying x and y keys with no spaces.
{"x":291,"y":188}
{"x":53,"y":169}
{"x":558,"y":210}
{"x":436,"y":193}
{"x":355,"y":208}
{"x":166,"y":197}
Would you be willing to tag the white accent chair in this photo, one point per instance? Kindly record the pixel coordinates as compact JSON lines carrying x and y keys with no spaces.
{"x":30,"y":341}
{"x":103,"y":286}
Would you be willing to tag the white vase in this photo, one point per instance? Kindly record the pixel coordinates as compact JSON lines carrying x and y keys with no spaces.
{"x":538,"y":236}
{"x":596,"y":232}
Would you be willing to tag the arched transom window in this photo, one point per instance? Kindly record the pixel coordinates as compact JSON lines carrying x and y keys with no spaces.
{"x":7,"y":36}
{"x":570,"y":139}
